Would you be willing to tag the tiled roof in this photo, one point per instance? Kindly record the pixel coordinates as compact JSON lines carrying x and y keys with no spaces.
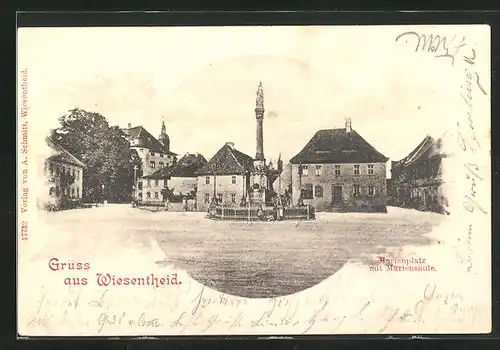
{"x":62,"y":155}
{"x":426,"y":149}
{"x":338,"y":146}
{"x":188,"y":165}
{"x":227,"y":161}
{"x":145,"y":139}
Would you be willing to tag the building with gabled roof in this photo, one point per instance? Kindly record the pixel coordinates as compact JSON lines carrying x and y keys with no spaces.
{"x":63,"y":173}
{"x":183,"y":175}
{"x":155,"y":154}
{"x":227,"y":161}
{"x":226,"y":177}
{"x":416,"y":180}
{"x":338,"y":170}
{"x":338,"y":146}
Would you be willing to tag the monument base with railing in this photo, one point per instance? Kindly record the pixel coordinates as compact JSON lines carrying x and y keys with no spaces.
{"x":261,"y":213}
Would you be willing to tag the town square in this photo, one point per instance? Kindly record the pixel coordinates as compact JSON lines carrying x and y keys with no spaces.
{"x":252,"y":180}
{"x":241,"y":224}
{"x":250,"y":259}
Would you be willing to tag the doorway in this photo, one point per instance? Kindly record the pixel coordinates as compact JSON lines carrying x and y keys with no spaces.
{"x":336,"y":195}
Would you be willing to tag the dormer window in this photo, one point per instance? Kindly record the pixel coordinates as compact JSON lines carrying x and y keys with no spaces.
{"x":152,"y":154}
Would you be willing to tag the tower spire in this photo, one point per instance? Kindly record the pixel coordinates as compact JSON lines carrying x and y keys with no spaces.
{"x":163,"y":128}
{"x":164,"y":139}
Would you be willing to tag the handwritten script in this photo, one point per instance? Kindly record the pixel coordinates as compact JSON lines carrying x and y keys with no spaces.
{"x":439,"y":45}
{"x":222,"y":313}
{"x":454,"y":48}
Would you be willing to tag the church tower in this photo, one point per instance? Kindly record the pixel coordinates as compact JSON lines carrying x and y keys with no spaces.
{"x":164,"y":139}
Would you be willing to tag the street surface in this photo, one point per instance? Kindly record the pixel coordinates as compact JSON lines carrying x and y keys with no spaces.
{"x":258,"y":259}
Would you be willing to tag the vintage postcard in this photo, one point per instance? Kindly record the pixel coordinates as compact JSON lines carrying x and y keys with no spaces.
{"x":255,"y":180}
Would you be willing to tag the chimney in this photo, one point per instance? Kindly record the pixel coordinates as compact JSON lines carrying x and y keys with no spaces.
{"x":348,"y":127}
{"x":129,"y":125}
{"x":230,"y":144}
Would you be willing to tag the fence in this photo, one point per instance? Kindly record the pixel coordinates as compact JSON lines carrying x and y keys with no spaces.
{"x":268,"y":213}
{"x":189,"y":205}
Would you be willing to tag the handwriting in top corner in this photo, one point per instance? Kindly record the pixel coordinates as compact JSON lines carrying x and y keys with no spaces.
{"x":432,"y":43}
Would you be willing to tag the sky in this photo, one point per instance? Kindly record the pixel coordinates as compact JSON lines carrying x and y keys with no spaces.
{"x":202,"y":82}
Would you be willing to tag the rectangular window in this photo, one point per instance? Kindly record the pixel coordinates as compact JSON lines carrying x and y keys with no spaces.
{"x":304,"y":170}
{"x":307,"y":191}
{"x":356,"y":169}
{"x":139,"y":185}
{"x":140,"y":194}
{"x":355,"y":191}
{"x":161,"y":155}
{"x":219,"y":196}
{"x":152,"y":164}
{"x":370,"y":169}
{"x":51,"y":168}
{"x":207,"y":180}
{"x":233,"y":180}
{"x":371,"y":191}
{"x":72,"y":192}
{"x":156,"y":194}
{"x":207,"y":198}
{"x":161,"y":165}
{"x":233,"y":197}
{"x":156,"y":182}
{"x":148,"y":195}
{"x":318,"y":191}
{"x":77,"y":192}
{"x":153,"y":154}
{"x":73,"y":172}
{"x":149,"y":182}
{"x":337,"y":169}
{"x":318,"y":170}
{"x":78,"y":174}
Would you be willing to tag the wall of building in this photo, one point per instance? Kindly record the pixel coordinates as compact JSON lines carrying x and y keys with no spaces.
{"x":147,"y":157}
{"x":420,"y":186}
{"x":151,"y":186}
{"x":182,"y":185}
{"x":56,"y":190}
{"x":223,"y":186}
{"x":327,"y":179}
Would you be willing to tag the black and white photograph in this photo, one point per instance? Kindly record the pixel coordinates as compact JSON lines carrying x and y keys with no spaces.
{"x":242,"y":180}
